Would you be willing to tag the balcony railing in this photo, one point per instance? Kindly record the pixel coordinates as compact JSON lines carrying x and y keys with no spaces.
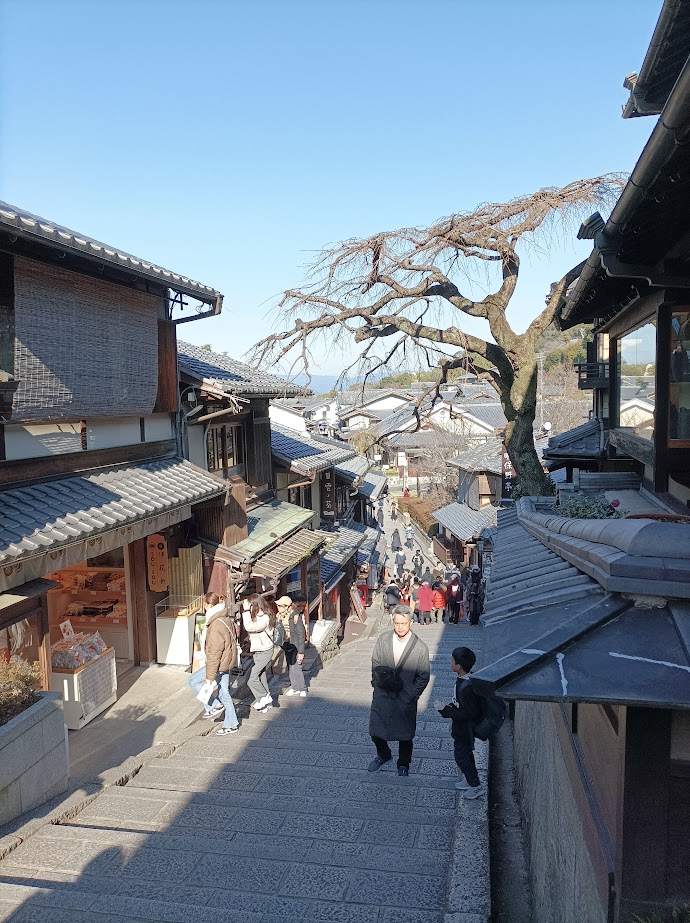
{"x":592,"y":375}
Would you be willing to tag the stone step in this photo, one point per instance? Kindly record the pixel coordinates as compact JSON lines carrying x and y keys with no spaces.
{"x":283,"y":895}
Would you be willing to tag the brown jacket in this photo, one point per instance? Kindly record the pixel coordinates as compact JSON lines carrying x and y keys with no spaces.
{"x":221,"y":645}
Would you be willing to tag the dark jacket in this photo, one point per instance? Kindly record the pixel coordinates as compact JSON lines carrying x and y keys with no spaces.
{"x":396,"y":544}
{"x":392,"y":594}
{"x":394,"y":715}
{"x":221,"y":645}
{"x":465,"y":709}
{"x":298,"y":632}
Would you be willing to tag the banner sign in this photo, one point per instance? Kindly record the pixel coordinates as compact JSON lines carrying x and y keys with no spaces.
{"x":508,"y":477}
{"x":157,"y":563}
{"x":328,"y":494}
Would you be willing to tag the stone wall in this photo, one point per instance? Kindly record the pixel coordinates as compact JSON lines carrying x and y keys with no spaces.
{"x":563,"y":883}
{"x":34,"y":761}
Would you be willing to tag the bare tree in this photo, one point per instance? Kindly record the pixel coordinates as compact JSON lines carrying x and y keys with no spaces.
{"x":387,"y":289}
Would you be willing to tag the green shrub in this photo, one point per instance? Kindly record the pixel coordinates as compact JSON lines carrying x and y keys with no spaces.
{"x":18,"y":682}
{"x":587,"y":508}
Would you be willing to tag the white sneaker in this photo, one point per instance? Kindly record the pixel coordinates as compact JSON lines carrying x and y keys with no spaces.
{"x":303,"y":694}
{"x":266,"y":701}
{"x":476,"y":792}
{"x":290,"y":691}
{"x":461,"y":786}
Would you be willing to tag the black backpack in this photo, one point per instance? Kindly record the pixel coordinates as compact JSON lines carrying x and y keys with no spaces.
{"x":494,"y":710}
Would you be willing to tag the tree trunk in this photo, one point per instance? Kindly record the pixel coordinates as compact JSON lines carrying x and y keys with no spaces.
{"x":520,"y":406}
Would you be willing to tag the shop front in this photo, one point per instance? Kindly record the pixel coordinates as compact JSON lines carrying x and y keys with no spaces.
{"x":85,"y":610}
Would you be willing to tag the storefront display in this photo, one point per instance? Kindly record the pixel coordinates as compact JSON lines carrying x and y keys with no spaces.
{"x":75,"y":651}
{"x":93,"y":599}
{"x":89,"y":689}
{"x":175,"y":625}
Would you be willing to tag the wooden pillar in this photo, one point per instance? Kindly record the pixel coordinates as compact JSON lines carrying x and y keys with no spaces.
{"x":143,"y":602}
{"x":643,"y":812}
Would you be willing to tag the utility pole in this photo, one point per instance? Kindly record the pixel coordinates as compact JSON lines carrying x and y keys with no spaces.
{"x":540,"y":359}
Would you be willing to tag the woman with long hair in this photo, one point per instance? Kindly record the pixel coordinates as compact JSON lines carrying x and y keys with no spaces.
{"x":259,"y":620}
{"x":219,"y":645}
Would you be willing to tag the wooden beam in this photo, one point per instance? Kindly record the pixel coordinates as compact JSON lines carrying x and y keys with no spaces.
{"x":51,"y":466}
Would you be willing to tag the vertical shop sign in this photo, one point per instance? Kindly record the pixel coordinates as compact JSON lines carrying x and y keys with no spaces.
{"x":157,"y":563}
{"x":328,"y":494}
{"x":507,"y":475}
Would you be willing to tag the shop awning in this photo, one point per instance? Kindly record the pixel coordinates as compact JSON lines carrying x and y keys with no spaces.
{"x":30,"y":590}
{"x":289,"y":553}
{"x":334,"y":581}
{"x":112,"y":505}
{"x":266,"y":525}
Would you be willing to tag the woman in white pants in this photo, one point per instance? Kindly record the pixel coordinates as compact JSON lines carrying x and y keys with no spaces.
{"x":258,"y":621}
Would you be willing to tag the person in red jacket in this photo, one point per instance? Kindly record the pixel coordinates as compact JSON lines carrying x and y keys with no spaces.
{"x":438,"y":601}
{"x":425,"y":603}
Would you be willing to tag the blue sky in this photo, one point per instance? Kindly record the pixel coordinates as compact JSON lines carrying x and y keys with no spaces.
{"x":229,"y":141}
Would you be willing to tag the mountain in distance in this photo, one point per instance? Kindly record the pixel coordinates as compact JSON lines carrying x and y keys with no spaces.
{"x":319,"y":384}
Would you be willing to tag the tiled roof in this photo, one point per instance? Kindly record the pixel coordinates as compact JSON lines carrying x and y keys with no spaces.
{"x":356,"y":467}
{"x":480,"y":458}
{"x":267,"y":524}
{"x":582,"y":442}
{"x":372,"y":484}
{"x":490,"y":414}
{"x":303,"y":453}
{"x":464,"y":522}
{"x":373,"y":548}
{"x":43,"y":517}
{"x":229,"y":375}
{"x":347,"y":541}
{"x":552,"y":633}
{"x":31,"y":227}
{"x":289,"y":553}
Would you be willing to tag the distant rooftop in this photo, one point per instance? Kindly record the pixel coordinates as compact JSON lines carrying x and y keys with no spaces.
{"x":228,"y":374}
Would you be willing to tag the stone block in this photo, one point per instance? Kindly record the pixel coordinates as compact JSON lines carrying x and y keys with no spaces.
{"x":317,"y":881}
{"x":44,"y":776}
{"x":10,"y":802}
{"x":54,"y":730}
{"x":20,"y":753}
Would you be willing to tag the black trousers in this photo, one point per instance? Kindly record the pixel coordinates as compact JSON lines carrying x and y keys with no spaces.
{"x":404,"y":750}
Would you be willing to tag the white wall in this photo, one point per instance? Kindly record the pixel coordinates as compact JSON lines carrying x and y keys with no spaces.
{"x":106,"y":434}
{"x":284,"y":417}
{"x":197,"y":447}
{"x":43,"y":440}
{"x":157,"y":427}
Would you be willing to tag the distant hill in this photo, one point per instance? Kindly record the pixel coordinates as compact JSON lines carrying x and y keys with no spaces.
{"x":319,"y":384}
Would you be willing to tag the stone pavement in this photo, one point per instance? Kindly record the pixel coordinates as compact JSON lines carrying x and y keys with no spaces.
{"x":280,"y":822}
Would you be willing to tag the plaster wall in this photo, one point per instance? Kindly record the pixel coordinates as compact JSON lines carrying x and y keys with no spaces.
{"x":563,"y":882}
{"x":284,"y":417}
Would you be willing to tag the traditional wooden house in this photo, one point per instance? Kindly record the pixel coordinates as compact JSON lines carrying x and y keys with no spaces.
{"x":95,"y":498}
{"x":255,"y":538}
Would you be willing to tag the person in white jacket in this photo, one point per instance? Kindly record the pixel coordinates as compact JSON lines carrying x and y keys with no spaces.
{"x":258,"y":620}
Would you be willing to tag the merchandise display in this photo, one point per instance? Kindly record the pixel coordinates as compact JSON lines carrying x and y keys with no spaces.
{"x":72,"y":653}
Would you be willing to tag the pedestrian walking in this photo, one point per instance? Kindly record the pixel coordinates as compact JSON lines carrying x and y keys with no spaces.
{"x":425,"y":601}
{"x":394,"y":509}
{"x":220,"y":651}
{"x":409,"y":537}
{"x":418,"y":563}
{"x":426,"y":576}
{"x":396,"y":544}
{"x":454,"y":594}
{"x":379,"y":517}
{"x":391,"y":596}
{"x":438,"y":602}
{"x":474,"y":595}
{"x":400,"y":560}
{"x":464,"y":711}
{"x":259,"y":621}
{"x":414,"y":600}
{"x":399,"y":675}
{"x":294,"y":648}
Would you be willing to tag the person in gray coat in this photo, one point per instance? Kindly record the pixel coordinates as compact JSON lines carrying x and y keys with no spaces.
{"x":399,"y":675}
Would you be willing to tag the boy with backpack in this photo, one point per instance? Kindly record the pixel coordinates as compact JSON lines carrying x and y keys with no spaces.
{"x":465,"y":711}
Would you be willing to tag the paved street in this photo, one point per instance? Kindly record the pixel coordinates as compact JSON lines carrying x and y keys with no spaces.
{"x":281,"y":822}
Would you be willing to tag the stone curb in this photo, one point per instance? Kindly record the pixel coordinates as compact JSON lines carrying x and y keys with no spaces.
{"x":469,"y":879}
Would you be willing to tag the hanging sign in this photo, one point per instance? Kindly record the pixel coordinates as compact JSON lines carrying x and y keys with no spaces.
{"x":157,"y":563}
{"x":328,"y":494}
{"x":507,"y":475}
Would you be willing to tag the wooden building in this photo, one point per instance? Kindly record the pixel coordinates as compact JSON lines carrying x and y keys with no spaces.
{"x":93,"y":493}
